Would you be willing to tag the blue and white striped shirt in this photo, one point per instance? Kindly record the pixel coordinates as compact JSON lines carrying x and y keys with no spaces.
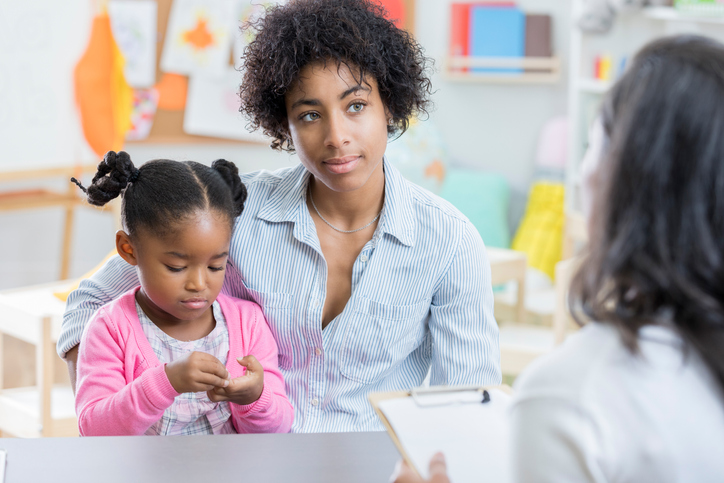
{"x":421,"y":299}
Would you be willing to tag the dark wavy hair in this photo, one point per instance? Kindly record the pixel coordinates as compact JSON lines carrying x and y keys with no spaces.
{"x":354,"y":33}
{"x":656,"y":251}
{"x":162,"y":192}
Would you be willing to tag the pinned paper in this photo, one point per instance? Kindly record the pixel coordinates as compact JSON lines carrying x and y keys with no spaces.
{"x":198,"y":37}
{"x":248,"y":11}
{"x":145,"y":103}
{"x":212,"y":108}
{"x":172,"y":91}
{"x":134,"y":28}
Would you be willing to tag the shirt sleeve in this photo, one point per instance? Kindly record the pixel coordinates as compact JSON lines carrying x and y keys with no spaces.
{"x":272,"y":412}
{"x":111,"y":281}
{"x":465,"y":347}
{"x":106,"y":403}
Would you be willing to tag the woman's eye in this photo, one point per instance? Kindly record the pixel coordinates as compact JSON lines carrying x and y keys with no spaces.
{"x":174,"y":269}
{"x":310,"y":116}
{"x":356,"y":107}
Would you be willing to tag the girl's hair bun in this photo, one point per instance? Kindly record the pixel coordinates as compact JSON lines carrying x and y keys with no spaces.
{"x":114,"y":174}
{"x":230,"y":173}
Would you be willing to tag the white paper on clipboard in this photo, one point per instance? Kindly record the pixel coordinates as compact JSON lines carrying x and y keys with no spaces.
{"x":472,"y":435}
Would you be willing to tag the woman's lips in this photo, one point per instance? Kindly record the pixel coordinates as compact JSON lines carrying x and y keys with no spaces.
{"x":342,"y":165}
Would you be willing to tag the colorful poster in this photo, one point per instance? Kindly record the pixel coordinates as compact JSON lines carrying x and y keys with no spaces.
{"x":212,"y":108}
{"x":248,"y":12}
{"x":134,"y":28}
{"x":198,"y":37}
{"x":145,"y":103}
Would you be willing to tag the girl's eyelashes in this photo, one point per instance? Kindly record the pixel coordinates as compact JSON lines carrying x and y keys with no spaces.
{"x":217,"y":269}
{"x":174,"y":269}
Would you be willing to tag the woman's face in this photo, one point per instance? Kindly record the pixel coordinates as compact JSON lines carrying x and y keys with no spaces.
{"x":338,"y":126}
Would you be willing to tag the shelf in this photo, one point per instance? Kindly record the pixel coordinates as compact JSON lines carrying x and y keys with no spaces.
{"x":537,"y":70}
{"x":676,"y":15}
{"x":594,"y":86}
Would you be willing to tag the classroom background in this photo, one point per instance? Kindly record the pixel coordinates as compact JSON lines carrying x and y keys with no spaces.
{"x":516,"y":87}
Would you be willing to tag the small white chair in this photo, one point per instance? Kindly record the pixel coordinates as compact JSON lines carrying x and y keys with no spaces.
{"x":33,"y":314}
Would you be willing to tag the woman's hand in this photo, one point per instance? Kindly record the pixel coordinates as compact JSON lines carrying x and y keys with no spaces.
{"x":197,"y":371}
{"x":245,"y":389}
{"x":438,"y":472}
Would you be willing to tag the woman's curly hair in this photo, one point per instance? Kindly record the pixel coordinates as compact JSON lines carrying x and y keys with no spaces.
{"x":354,"y":33}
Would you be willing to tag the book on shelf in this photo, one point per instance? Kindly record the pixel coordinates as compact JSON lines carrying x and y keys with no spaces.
{"x":497,"y":31}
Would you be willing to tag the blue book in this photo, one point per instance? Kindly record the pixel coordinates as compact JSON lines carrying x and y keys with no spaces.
{"x":497,"y":32}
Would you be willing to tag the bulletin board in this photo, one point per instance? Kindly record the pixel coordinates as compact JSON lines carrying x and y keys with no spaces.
{"x":167,"y":125}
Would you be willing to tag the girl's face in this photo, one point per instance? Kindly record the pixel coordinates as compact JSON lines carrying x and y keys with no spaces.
{"x":181,"y":274}
{"x":338,"y":126}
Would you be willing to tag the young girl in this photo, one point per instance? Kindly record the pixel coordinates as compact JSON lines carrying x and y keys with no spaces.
{"x":173,"y":355}
{"x":637,"y":395}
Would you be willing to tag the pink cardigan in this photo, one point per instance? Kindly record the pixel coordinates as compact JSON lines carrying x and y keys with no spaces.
{"x":122,"y":388}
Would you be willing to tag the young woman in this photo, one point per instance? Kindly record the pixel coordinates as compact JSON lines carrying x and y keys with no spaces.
{"x":638,"y":394}
{"x":367,"y":281}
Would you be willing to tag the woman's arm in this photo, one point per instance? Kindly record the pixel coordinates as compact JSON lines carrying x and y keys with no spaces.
{"x":111,"y":281}
{"x":106,"y":403}
{"x":465,"y":335}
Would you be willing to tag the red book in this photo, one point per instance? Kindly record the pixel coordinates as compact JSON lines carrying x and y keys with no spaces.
{"x":460,"y":26}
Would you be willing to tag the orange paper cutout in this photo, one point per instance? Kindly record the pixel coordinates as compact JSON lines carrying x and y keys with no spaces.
{"x":102,"y":94}
{"x":199,"y":38}
{"x":172,"y":89}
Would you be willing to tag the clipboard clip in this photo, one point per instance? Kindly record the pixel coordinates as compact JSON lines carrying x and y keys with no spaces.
{"x":443,"y":396}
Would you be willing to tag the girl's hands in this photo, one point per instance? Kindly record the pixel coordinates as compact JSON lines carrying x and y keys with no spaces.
{"x":245,"y":389}
{"x":197,"y":371}
{"x":438,"y":472}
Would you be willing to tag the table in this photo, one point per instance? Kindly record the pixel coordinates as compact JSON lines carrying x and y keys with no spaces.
{"x":238,"y":458}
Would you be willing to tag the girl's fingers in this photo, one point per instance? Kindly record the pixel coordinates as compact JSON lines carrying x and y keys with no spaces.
{"x":251,"y":364}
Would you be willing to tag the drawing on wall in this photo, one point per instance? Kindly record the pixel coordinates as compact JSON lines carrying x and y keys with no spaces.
{"x":198,"y":37}
{"x":134,"y":28}
{"x":248,"y":11}
{"x":212,"y":108}
{"x":145,"y":103}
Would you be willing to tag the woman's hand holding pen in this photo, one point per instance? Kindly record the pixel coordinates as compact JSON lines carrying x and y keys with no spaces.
{"x":438,"y":472}
{"x":197,"y":371}
{"x":245,"y":389}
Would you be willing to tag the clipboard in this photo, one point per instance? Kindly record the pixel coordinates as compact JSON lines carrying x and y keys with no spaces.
{"x":423,"y":421}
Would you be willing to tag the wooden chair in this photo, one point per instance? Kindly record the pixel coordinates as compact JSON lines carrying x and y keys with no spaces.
{"x":35,"y":198}
{"x":33,"y":315}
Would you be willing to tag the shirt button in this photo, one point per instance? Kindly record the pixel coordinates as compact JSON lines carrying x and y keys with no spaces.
{"x":315,"y":401}
{"x":318,"y":351}
{"x":363,"y":258}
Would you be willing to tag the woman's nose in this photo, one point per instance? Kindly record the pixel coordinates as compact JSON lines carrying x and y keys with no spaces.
{"x":337,"y":131}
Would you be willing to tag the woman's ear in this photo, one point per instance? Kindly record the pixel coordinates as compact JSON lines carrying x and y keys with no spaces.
{"x":125,"y":248}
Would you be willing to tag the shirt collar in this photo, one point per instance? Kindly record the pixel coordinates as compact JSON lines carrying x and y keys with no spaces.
{"x":287,"y":203}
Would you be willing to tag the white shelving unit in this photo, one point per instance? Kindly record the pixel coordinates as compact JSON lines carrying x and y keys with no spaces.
{"x":536,"y":70}
{"x":631,"y":31}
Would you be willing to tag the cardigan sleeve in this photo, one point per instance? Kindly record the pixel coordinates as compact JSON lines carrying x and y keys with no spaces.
{"x":272,"y":412}
{"x":107,"y":403}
